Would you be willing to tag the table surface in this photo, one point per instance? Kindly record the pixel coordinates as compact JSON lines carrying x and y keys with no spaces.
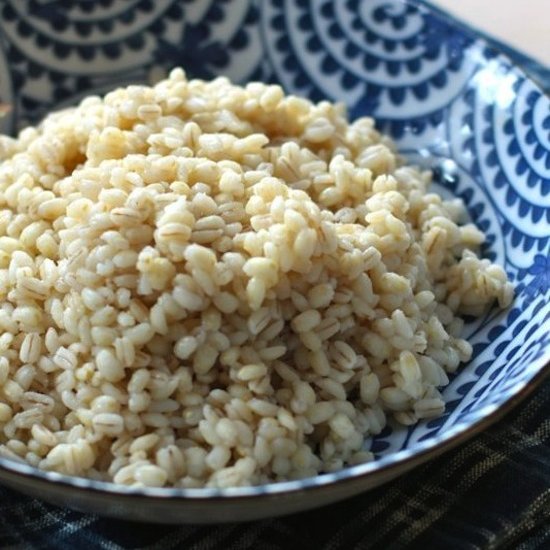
{"x":524,"y":25}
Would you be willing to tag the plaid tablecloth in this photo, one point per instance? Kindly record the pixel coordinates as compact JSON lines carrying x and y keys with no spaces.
{"x":493,"y":492}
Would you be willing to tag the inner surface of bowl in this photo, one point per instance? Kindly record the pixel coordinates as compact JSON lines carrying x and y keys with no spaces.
{"x":447,"y":99}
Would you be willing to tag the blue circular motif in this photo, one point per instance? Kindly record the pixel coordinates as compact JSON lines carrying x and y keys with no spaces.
{"x":379,"y":57}
{"x":503,"y":118}
{"x":63,"y":50}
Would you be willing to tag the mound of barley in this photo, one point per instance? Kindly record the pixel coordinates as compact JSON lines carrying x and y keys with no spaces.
{"x":209,"y":285}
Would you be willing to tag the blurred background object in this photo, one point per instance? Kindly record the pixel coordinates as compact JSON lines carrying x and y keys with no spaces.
{"x":524,"y":25}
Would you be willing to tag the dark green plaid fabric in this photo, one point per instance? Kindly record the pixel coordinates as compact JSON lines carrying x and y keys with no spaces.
{"x":493,"y":492}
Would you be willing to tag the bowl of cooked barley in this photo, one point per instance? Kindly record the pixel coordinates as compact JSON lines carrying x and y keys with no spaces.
{"x":259,"y":257}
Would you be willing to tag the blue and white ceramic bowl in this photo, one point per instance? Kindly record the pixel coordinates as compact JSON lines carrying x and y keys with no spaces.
{"x":449,"y":100}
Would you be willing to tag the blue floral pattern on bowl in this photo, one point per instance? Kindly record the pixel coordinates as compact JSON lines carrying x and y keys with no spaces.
{"x":450,"y":102}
